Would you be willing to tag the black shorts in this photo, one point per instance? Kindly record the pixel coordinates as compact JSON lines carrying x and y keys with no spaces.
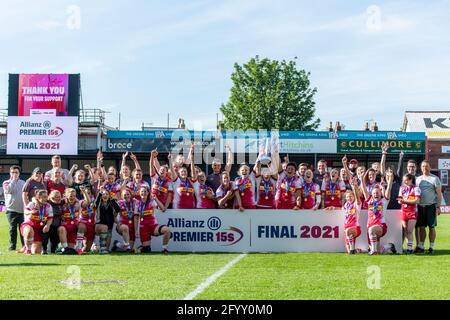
{"x":426,"y":216}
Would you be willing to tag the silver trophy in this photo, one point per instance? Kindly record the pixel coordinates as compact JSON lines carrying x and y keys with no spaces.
{"x":265,"y":156}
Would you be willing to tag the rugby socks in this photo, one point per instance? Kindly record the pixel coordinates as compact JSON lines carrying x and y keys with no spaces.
{"x":165,"y":247}
{"x":80,"y":237}
{"x":431,"y":245}
{"x":64,"y":245}
{"x":420,"y":245}
{"x":374,"y":243}
{"x":103,"y":238}
{"x":351,"y":243}
{"x":29,"y":243}
{"x":410,"y":245}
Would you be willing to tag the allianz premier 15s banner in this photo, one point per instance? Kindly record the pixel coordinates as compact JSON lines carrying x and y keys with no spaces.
{"x":38,"y":135}
{"x":265,"y":231}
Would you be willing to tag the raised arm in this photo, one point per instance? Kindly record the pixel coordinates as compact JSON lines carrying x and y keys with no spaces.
{"x":153,"y":156}
{"x":124,"y":160}
{"x":135,"y":161}
{"x":92,"y":176}
{"x":87,"y":199}
{"x":384,"y":150}
{"x":71,"y":173}
{"x":173,"y":173}
{"x":346,"y":168}
{"x":400,"y":164}
{"x":363,"y":186}
{"x":390,"y":182}
{"x":229,"y":163}
{"x":356,"y":190}
{"x":191,"y":155}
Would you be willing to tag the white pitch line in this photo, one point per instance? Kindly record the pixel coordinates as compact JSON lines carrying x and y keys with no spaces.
{"x":205,"y":284}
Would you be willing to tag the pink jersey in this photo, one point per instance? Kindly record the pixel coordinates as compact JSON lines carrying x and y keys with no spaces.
{"x":369,"y":187}
{"x":134,"y":187}
{"x":41,"y":216}
{"x":71,"y":213}
{"x":113,"y":189}
{"x":201,"y":191}
{"x":146,"y":212}
{"x":161,"y":188}
{"x":183,"y":194}
{"x":376,"y":212}
{"x":265,"y":197}
{"x":88,"y":213}
{"x":286,"y":189}
{"x":409,"y":193}
{"x":310,"y":191}
{"x":246,"y":187}
{"x":351,"y":211}
{"x":127,"y":211}
{"x":332,"y":192}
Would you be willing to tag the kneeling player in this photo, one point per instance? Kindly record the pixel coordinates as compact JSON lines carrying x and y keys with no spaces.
{"x":38,"y":219}
{"x":127,"y":209}
{"x":409,"y":197}
{"x":146,"y":225}
{"x":69,"y":223}
{"x":352,"y":208}
{"x":376,"y":225}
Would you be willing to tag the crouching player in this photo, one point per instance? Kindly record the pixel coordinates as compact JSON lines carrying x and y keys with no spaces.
{"x":145,"y":223}
{"x":376,"y":225}
{"x":69,"y":223}
{"x":127,"y":209}
{"x":352,"y":208}
{"x":409,"y":197}
{"x":38,"y":219}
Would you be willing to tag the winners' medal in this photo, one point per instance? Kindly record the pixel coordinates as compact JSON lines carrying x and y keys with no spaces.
{"x":332,"y":189}
{"x":141,"y":209}
{"x":129,"y":210}
{"x":89,"y":210}
{"x":288,"y":185}
{"x":242,"y":187}
{"x":72,"y":213}
{"x":41,"y":212}
{"x":266,"y":188}
{"x":186,"y":186}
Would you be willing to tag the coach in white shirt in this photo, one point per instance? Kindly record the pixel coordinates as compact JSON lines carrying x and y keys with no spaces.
{"x":429,"y":206}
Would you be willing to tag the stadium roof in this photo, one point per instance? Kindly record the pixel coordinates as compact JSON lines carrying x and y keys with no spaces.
{"x":436,"y":124}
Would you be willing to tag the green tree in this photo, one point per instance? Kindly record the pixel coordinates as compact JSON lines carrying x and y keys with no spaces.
{"x":269,"y":94}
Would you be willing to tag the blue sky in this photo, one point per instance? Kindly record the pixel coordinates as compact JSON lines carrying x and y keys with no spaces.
{"x":368,"y":59}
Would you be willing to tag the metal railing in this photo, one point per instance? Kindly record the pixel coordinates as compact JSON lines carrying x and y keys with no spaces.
{"x":96,"y":116}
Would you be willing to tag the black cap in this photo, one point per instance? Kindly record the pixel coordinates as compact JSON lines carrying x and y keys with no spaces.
{"x":37,"y":170}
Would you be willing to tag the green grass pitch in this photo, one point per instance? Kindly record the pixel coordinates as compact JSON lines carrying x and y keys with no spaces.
{"x":256,"y":276}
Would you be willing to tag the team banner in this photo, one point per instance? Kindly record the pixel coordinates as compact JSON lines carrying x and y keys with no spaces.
{"x":374,"y":146}
{"x":301,"y":142}
{"x":266,"y":231}
{"x":43,"y":94}
{"x":38,"y":135}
